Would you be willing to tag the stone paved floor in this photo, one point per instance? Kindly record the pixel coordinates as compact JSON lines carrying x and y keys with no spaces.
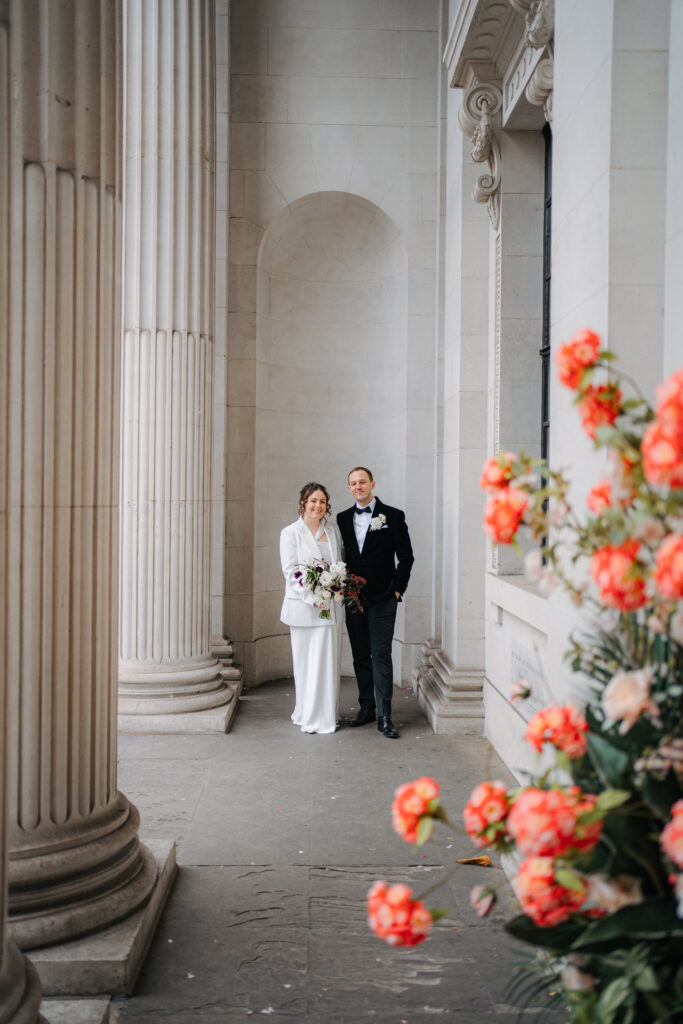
{"x":280,"y":834}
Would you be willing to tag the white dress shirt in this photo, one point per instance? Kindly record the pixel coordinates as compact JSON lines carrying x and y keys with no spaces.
{"x":361,"y":523}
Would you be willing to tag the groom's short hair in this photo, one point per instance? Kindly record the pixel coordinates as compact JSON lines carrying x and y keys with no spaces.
{"x":360,"y":469}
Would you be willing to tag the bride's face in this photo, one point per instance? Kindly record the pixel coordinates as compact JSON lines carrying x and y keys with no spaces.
{"x":315,"y":506}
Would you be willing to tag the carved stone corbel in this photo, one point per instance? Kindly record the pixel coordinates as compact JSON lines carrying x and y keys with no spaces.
{"x":478,"y":119}
{"x":540,"y":20}
{"x":539,"y":91}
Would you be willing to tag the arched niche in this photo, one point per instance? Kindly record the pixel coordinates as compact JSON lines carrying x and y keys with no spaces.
{"x":330,"y":375}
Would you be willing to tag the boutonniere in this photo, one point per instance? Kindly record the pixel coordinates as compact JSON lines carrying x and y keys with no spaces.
{"x":379,"y":522}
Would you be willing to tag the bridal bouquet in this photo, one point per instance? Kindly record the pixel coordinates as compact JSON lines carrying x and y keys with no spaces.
{"x":597,"y":837}
{"x":328,"y":584}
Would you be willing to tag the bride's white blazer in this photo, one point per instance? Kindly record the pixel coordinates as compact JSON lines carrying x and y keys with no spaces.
{"x":297,"y":545}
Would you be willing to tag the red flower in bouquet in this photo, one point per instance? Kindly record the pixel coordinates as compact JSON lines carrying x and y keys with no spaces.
{"x":412,"y":802}
{"x":488,"y":805}
{"x":575,"y":355}
{"x":668,"y":574}
{"x":497,"y":472}
{"x":543,"y":898}
{"x":671,"y":839}
{"x":616,"y":571}
{"x":396,"y":917}
{"x":564,"y":727}
{"x":662,"y":449}
{"x":544,"y":822}
{"x":599,"y":406}
{"x":503,"y":513}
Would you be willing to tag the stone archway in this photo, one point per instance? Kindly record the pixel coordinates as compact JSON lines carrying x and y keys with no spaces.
{"x":331,"y":375}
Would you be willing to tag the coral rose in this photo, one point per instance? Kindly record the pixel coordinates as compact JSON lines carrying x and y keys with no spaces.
{"x":543,"y":899}
{"x":617,"y":573}
{"x":671,"y":838}
{"x":599,"y":497}
{"x":564,"y":727}
{"x":397,"y":918}
{"x":627,"y":696}
{"x":662,"y":450}
{"x":413,"y":801}
{"x":488,"y":805}
{"x":497,"y":472}
{"x":668,"y":574}
{"x":669,"y":402}
{"x":503,"y":513}
{"x":574,"y":356}
{"x":599,"y":407}
{"x":544,"y":822}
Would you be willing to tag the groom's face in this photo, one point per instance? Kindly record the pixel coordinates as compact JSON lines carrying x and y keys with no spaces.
{"x":361,"y":487}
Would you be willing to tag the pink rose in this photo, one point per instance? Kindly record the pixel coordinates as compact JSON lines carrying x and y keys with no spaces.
{"x":482,"y":899}
{"x":671,"y":839}
{"x":627,"y":696}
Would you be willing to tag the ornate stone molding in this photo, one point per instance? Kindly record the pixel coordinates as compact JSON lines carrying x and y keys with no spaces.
{"x":482,"y":30}
{"x":539,"y":91}
{"x":479,"y":119}
{"x":539,"y":16}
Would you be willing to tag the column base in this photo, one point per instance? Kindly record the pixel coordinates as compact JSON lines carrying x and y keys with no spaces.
{"x":181,"y":687}
{"x":19,"y":990}
{"x":452,"y":699}
{"x":77,"y":1011}
{"x":214,"y":720}
{"x":108,"y":962}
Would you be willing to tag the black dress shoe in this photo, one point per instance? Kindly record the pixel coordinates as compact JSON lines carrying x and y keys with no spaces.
{"x":364,"y":716}
{"x":385,"y":725}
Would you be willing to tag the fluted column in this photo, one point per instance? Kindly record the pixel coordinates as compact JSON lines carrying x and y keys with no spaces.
{"x":19,"y":986}
{"x":166,"y":666}
{"x":76,"y":864}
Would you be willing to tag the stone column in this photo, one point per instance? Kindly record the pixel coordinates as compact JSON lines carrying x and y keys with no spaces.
{"x":76,"y":864}
{"x":169,"y":680}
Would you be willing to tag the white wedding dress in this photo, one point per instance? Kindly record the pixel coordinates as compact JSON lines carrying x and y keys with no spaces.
{"x":316,"y":654}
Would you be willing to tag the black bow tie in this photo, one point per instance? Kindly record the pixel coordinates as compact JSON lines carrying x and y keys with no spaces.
{"x":360,"y":511}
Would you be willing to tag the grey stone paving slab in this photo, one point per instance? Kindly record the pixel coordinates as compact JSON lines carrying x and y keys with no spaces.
{"x":282,"y":835}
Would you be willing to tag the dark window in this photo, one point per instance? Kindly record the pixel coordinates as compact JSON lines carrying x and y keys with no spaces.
{"x":545,"y":332}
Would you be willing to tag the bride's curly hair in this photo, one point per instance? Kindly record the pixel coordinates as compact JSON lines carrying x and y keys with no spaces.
{"x":307,"y":490}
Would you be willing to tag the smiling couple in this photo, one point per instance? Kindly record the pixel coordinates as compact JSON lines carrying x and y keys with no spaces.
{"x":372,"y":538}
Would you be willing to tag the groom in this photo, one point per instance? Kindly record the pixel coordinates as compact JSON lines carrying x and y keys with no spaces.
{"x":377,"y":547}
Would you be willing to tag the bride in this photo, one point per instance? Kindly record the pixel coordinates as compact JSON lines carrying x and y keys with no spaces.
{"x":316,"y":642}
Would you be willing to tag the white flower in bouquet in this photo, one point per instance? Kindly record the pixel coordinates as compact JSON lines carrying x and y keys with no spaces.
{"x":378,"y":522}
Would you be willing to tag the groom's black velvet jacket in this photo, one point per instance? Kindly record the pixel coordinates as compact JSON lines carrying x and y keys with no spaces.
{"x":387,"y":555}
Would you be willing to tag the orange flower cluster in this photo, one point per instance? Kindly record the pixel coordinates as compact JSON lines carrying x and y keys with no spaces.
{"x":412,"y":802}
{"x":503,"y":514}
{"x":575,"y":356}
{"x":488,"y":805}
{"x":545,"y":822}
{"x":599,"y":407}
{"x":543,"y":899}
{"x":599,"y":497}
{"x":671,"y":838}
{"x":619,"y":576}
{"x":668,"y":573}
{"x":396,"y":917}
{"x":564,"y":727}
{"x":662,"y":444}
{"x":497,"y":472}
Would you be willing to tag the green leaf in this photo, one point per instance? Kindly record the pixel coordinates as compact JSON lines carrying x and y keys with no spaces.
{"x":425,"y":827}
{"x":652,"y":919}
{"x":569,"y":879}
{"x":611,"y":798}
{"x":433,"y":804}
{"x":437,"y":913}
{"x":560,"y":938}
{"x":612,"y":764}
